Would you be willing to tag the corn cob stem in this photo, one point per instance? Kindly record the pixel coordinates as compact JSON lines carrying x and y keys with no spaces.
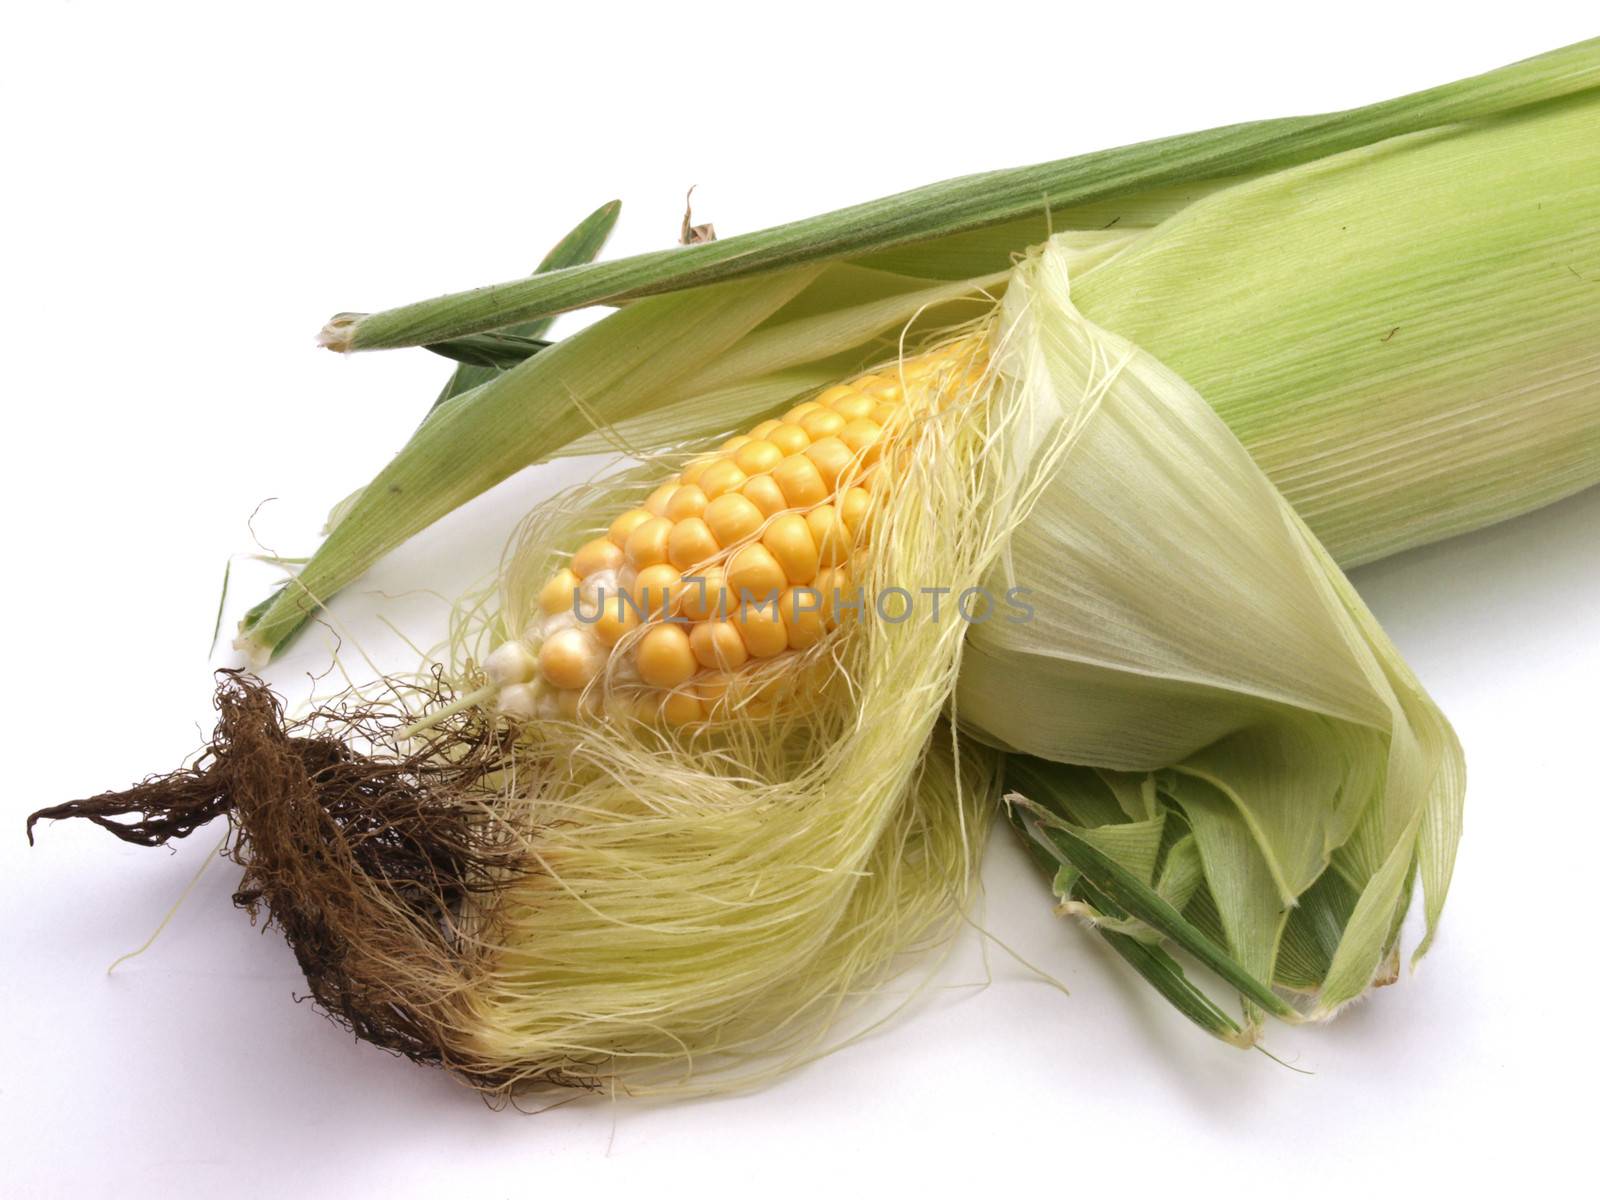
{"x":436,"y":716}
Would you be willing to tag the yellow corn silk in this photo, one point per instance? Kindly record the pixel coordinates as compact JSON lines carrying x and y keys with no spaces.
{"x":739,"y":810}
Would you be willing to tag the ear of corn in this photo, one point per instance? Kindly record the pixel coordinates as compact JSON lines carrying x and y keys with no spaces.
{"x":1229,"y":755}
{"x":702,"y":603}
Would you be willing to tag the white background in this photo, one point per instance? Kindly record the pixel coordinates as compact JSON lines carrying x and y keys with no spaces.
{"x":188,"y":193}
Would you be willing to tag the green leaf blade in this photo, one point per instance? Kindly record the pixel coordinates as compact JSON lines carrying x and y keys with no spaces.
{"x":974,"y":202}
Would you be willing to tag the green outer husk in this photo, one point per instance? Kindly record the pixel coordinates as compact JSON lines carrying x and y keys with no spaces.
{"x":1405,"y":337}
{"x":1158,"y":968}
{"x":546,"y":402}
{"x":497,"y":350}
{"x":581,"y":245}
{"x":526,"y":414}
{"x":973,"y":202}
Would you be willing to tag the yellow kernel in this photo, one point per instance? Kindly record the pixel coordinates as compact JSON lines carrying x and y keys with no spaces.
{"x":682,"y":708}
{"x":838,"y":392}
{"x":557,"y":595}
{"x":660,"y":498}
{"x":830,"y":537}
{"x":656,"y":590}
{"x":619,"y":616}
{"x":732,"y":518}
{"x":888,"y":390}
{"x":757,"y":455}
{"x":705,"y":595}
{"x":602,"y":554}
{"x":717,"y":645}
{"x":793,"y":547}
{"x":627,"y":523}
{"x":888,"y":417}
{"x":766,"y":427}
{"x":647,"y":545}
{"x":692,"y":473}
{"x":754,"y":572}
{"x":854,"y":406}
{"x":713,"y":687}
{"x":721,"y":476}
{"x":801,"y":610}
{"x":802,"y":613}
{"x":832,"y":459}
{"x":691,"y":543}
{"x":822,"y":423}
{"x":855,"y":507}
{"x":859,"y":434}
{"x":664,"y":657}
{"x":687,"y":501}
{"x":793,"y":416}
{"x":732,"y":445}
{"x":763,"y":491}
{"x":762,"y":629}
{"x":791,"y":439}
{"x":839,"y":596}
{"x":800,"y":481}
{"x":727,"y":693}
{"x":570,"y":658}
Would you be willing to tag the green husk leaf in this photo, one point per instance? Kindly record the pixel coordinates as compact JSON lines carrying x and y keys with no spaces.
{"x":975,"y":202}
{"x":1186,"y":622}
{"x":582,"y":244}
{"x":848,"y":319}
{"x":1405,"y":337}
{"x":1312,"y":933}
{"x":1181,"y":874}
{"x":482,"y":357}
{"x":1162,"y":972}
{"x":1122,"y":890}
{"x":1152,"y":963}
{"x":620,"y":365}
{"x":836,"y":319}
{"x":1486,"y":403}
{"x":1134,"y":846}
{"x":497,"y":350}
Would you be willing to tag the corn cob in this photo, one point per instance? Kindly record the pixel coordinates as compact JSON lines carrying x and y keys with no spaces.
{"x":710,"y":591}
